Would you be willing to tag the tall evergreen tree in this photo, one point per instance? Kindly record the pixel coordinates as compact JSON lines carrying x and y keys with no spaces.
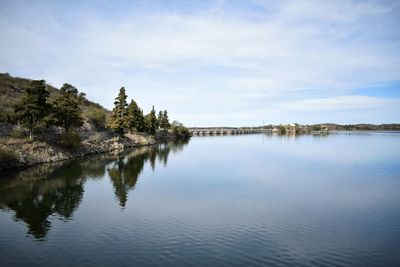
{"x":159,"y":119}
{"x":165,"y":121}
{"x":66,"y":110}
{"x":33,"y":106}
{"x":134,"y":118}
{"x":151,"y":122}
{"x":117,"y":120}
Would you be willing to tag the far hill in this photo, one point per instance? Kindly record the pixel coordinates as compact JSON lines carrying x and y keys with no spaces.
{"x":360,"y":127}
{"x":11,"y":89}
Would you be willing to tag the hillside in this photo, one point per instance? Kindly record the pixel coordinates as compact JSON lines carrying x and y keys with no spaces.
{"x":361,"y":127}
{"x":11,"y":89}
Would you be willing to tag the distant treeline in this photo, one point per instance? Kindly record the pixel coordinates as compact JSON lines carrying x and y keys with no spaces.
{"x":362,"y":127}
{"x":339,"y":127}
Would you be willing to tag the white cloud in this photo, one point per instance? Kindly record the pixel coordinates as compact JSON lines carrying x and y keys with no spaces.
{"x":215,"y":62}
{"x":341,"y":103}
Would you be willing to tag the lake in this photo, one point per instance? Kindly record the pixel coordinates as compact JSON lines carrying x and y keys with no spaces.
{"x":245,"y":200}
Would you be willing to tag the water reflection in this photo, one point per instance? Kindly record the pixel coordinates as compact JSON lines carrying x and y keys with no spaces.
{"x":57,"y":189}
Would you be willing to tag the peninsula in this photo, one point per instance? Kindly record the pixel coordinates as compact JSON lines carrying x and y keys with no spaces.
{"x":40,"y":123}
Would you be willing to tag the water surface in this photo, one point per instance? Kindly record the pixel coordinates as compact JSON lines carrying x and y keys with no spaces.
{"x":250,"y":200}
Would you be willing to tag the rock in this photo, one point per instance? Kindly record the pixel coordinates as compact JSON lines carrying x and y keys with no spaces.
{"x":31,"y":153}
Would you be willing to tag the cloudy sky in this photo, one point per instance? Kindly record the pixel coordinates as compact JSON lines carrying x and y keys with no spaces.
{"x":215,"y":63}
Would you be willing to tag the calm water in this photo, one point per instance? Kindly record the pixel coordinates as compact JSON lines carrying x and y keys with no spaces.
{"x":250,"y":200}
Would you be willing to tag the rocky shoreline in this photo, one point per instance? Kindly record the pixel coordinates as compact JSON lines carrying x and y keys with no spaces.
{"x":22,"y":153}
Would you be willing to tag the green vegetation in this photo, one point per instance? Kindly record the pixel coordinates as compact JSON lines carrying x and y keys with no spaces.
{"x":12,"y":90}
{"x":7,"y":156}
{"x":95,"y":116}
{"x":130,"y":117}
{"x":33,"y":107}
{"x":281,"y":129}
{"x":17,"y":133}
{"x":66,"y":110}
{"x":37,"y":107}
{"x":118,"y":118}
{"x":164,"y":122}
{"x":160,"y":118}
{"x":316,"y":127}
{"x":70,"y":140}
{"x":151,"y":122}
{"x":135,"y":118}
{"x":179,"y":129}
{"x":357,"y":127}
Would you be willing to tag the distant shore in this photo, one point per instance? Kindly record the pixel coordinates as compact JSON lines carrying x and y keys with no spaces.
{"x":293,"y":128}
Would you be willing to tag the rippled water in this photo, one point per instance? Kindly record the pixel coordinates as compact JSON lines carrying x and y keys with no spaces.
{"x":250,"y":200}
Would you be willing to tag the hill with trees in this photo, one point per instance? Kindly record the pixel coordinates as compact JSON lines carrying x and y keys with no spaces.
{"x":359,"y":127}
{"x":40,"y":123}
{"x":35,"y":105}
{"x":12,"y":89}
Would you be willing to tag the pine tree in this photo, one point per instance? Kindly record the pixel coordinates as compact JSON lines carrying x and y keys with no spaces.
{"x":66,"y":110}
{"x":165,"y":121}
{"x":160,"y":119}
{"x":151,"y":122}
{"x":134,"y":118}
{"x":33,"y":106}
{"x":117,"y":120}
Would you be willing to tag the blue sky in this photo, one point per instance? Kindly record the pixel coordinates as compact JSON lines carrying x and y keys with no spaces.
{"x":214,"y":63}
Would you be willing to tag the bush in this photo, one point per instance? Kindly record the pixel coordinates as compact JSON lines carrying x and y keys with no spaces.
{"x":316,"y":127}
{"x":71,"y":140}
{"x":179,"y":130}
{"x":98,"y":118}
{"x":8,"y":157}
{"x":17,"y":133}
{"x":3,"y":116}
{"x":282,"y":129}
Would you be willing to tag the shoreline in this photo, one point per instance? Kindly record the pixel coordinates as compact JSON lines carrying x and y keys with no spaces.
{"x":21,"y":154}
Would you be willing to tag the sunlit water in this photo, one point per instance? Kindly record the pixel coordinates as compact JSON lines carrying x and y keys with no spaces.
{"x":250,"y":200}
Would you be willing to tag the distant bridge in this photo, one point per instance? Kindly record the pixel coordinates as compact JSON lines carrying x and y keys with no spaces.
{"x":198,"y":131}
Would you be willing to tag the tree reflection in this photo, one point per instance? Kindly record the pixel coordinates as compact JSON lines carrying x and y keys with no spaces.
{"x":124,"y":172}
{"x":57,"y":189}
{"x":48,"y":189}
{"x":35,"y":208}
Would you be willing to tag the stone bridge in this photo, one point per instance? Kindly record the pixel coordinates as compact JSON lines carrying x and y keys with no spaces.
{"x":198,"y":131}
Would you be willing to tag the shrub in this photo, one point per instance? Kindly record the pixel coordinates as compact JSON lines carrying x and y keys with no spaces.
{"x":3,"y":116}
{"x":8,"y":157}
{"x":282,"y":129}
{"x":17,"y":133}
{"x":97,"y":117}
{"x":316,"y":127}
{"x":71,"y":140}
{"x":179,"y":130}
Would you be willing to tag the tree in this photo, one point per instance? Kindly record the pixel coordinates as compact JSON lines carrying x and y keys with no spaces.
{"x":33,"y":106}
{"x":66,"y":110}
{"x":67,"y":88}
{"x":159,"y":119}
{"x":134,"y":118}
{"x":151,"y":122}
{"x":179,"y":129}
{"x":165,"y":121}
{"x":117,"y":119}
